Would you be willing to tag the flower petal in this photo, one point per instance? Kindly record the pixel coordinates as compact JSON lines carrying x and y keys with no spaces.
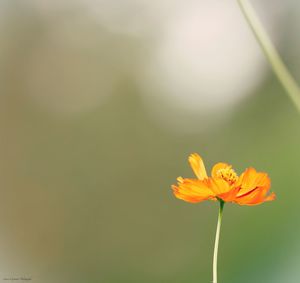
{"x":218,"y":186}
{"x":197,"y":165}
{"x":270,"y":197}
{"x":230,"y":195}
{"x":251,"y":180}
{"x":192,"y":190}
{"x":254,"y":198}
{"x":217,"y":167}
{"x":254,"y":187}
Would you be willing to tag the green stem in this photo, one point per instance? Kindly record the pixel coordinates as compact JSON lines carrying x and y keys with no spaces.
{"x":215,"y":259}
{"x":278,"y":66}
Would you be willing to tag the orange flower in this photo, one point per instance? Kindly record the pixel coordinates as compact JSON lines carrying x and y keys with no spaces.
{"x":250,"y":188}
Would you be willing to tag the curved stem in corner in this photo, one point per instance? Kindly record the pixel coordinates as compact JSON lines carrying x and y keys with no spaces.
{"x":215,"y":259}
{"x":279,"y":68}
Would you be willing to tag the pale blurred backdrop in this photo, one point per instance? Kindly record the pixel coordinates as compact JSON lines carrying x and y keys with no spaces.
{"x":102,"y":101}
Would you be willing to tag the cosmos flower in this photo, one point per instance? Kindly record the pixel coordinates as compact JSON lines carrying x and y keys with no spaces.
{"x":250,"y":188}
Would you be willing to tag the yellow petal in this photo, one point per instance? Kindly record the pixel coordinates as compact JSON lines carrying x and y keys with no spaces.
{"x":218,"y":186}
{"x":254,"y":197}
{"x":230,"y":195}
{"x":217,"y":167}
{"x":251,"y":180}
{"x":254,"y":187}
{"x":192,"y":190}
{"x":197,"y":165}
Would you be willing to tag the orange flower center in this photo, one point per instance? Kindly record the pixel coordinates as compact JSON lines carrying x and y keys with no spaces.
{"x":227,"y":174}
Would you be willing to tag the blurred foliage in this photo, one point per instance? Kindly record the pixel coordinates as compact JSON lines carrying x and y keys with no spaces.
{"x":86,"y":197}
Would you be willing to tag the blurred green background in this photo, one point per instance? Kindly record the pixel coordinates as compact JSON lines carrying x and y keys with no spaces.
{"x":102,"y":102}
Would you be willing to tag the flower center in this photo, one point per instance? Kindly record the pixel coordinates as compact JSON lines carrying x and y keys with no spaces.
{"x":227,"y":174}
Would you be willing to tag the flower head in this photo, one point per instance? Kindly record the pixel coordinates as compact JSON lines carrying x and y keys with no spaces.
{"x":250,"y":188}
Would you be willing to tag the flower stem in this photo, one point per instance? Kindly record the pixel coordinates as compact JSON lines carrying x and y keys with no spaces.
{"x":278,"y":66}
{"x":215,"y":259}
